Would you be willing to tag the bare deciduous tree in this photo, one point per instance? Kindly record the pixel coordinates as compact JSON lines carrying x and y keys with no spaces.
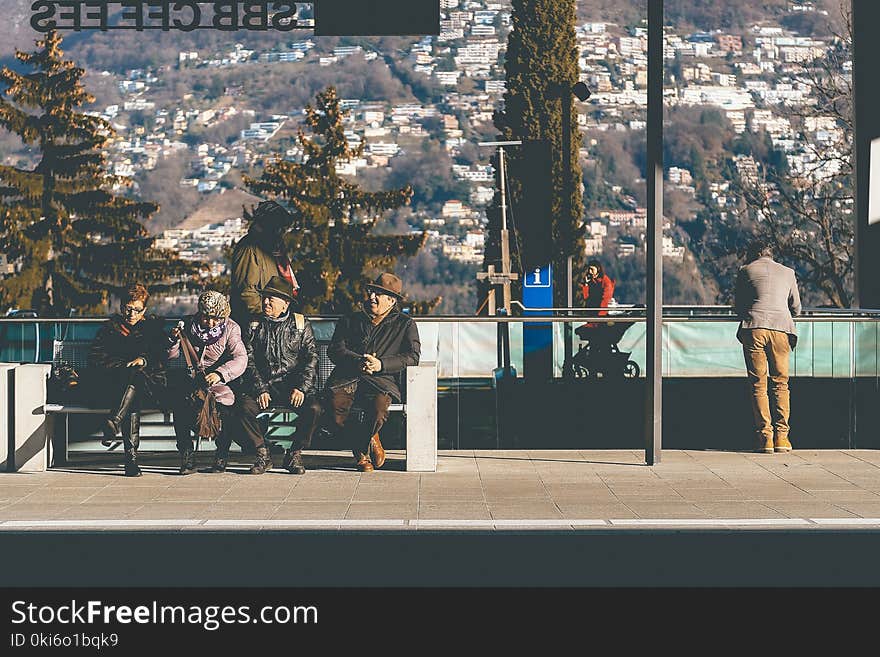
{"x":807,"y":210}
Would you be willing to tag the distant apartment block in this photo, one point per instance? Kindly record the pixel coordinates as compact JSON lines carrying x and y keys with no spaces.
{"x":262,"y":131}
{"x":625,"y":249}
{"x":631,"y":46}
{"x":593,"y":28}
{"x":729,"y":42}
{"x":593,"y":246}
{"x":777,"y":126}
{"x":636,"y":219}
{"x":737,"y":119}
{"x":388,"y":149}
{"x":447,"y":78}
{"x":450,"y":34}
{"x":483,"y":31}
{"x":475,"y":239}
{"x":724,"y":97}
{"x":345,"y":51}
{"x":671,"y":251}
{"x":454,"y":208}
{"x":476,"y":173}
{"x":494,"y":86}
{"x":481,"y":195}
{"x":679,"y":176}
{"x":286,"y":56}
{"x":139,"y":105}
{"x":131,"y":86}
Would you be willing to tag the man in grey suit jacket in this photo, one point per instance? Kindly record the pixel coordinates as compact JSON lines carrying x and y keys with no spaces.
{"x":766,"y":299}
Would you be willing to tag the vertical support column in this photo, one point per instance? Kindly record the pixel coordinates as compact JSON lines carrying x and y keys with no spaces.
{"x":421,"y":417}
{"x":29,"y":450}
{"x":569,"y":301}
{"x":654,"y":236}
{"x":6,"y":413}
{"x":866,"y":99}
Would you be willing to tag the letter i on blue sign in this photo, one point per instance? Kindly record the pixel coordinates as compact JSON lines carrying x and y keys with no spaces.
{"x":538,"y":288}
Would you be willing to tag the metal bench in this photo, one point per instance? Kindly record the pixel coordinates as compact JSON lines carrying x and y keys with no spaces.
{"x":419,"y":388}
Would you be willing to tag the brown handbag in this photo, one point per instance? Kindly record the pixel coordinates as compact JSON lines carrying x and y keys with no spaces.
{"x":208,"y":422}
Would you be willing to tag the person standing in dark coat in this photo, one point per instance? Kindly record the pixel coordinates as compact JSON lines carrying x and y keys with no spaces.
{"x":370,"y":348}
{"x":282,"y":369}
{"x":127,"y":364}
{"x":256,"y":258}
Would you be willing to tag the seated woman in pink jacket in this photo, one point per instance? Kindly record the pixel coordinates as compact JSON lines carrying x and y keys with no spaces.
{"x":222,"y":355}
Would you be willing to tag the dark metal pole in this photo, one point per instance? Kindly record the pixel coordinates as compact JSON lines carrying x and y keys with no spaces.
{"x":565,"y":97}
{"x":569,"y":299}
{"x":654,"y":236}
{"x":866,"y":99}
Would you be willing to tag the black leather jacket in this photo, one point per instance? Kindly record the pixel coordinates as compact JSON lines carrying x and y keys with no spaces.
{"x":280,"y":354}
{"x":146,"y":339}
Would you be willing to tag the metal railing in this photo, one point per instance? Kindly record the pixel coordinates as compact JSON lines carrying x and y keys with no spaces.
{"x":698,"y":340}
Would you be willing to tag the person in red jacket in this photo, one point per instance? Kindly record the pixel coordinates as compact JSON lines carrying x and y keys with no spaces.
{"x":597,"y":290}
{"x":598,"y":287}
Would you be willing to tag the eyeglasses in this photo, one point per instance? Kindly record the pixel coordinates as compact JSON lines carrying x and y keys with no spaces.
{"x":372,"y":292}
{"x":132,"y":310}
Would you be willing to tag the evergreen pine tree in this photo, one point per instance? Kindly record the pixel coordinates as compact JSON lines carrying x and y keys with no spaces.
{"x":333,"y":249}
{"x":73,"y":238}
{"x":546,"y":204}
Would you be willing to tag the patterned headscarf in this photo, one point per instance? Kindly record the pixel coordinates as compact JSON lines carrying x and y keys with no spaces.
{"x":214,"y":304}
{"x":205,"y":336}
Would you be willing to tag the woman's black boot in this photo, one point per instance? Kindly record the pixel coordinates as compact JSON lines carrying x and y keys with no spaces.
{"x":131,"y":437}
{"x":113,"y":423}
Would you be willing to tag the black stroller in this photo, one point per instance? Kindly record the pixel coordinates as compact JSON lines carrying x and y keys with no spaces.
{"x":599,"y":355}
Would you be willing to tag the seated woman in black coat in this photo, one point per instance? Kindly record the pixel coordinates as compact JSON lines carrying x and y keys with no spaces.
{"x":127,"y":369}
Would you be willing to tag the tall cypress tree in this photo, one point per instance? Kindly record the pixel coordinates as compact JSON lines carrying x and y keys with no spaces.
{"x":546,"y":204}
{"x":333,"y":248}
{"x":74,"y":239}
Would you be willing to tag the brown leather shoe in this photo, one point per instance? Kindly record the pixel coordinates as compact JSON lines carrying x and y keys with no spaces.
{"x":364,"y":463}
{"x":764,"y":445}
{"x":377,"y":452}
{"x":782,"y":444}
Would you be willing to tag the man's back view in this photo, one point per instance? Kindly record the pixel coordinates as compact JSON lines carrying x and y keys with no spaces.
{"x":766,"y":299}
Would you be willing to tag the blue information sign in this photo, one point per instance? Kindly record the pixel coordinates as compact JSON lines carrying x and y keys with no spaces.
{"x":538,"y":337}
{"x":538,"y":289}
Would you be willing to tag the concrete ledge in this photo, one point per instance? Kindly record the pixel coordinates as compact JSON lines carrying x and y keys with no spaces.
{"x":28,"y":449}
{"x":421,"y":417}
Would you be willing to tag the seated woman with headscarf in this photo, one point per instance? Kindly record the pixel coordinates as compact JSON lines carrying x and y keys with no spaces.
{"x":222,"y":357}
{"x":127,"y":364}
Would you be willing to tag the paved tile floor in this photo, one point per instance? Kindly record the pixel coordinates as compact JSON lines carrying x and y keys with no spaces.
{"x":497,"y":490}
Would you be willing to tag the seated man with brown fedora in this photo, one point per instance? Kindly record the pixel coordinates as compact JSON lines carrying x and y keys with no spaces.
{"x":370,"y":348}
{"x":282,"y":368}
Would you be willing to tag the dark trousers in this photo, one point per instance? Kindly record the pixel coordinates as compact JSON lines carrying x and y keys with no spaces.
{"x":108,"y":386}
{"x":113,"y":383}
{"x":244,"y":427}
{"x":307,"y":416}
{"x":235,"y":425}
{"x":359,"y":412}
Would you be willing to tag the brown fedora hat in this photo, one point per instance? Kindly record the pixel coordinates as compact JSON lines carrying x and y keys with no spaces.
{"x":278,"y":287}
{"x":387,"y":283}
